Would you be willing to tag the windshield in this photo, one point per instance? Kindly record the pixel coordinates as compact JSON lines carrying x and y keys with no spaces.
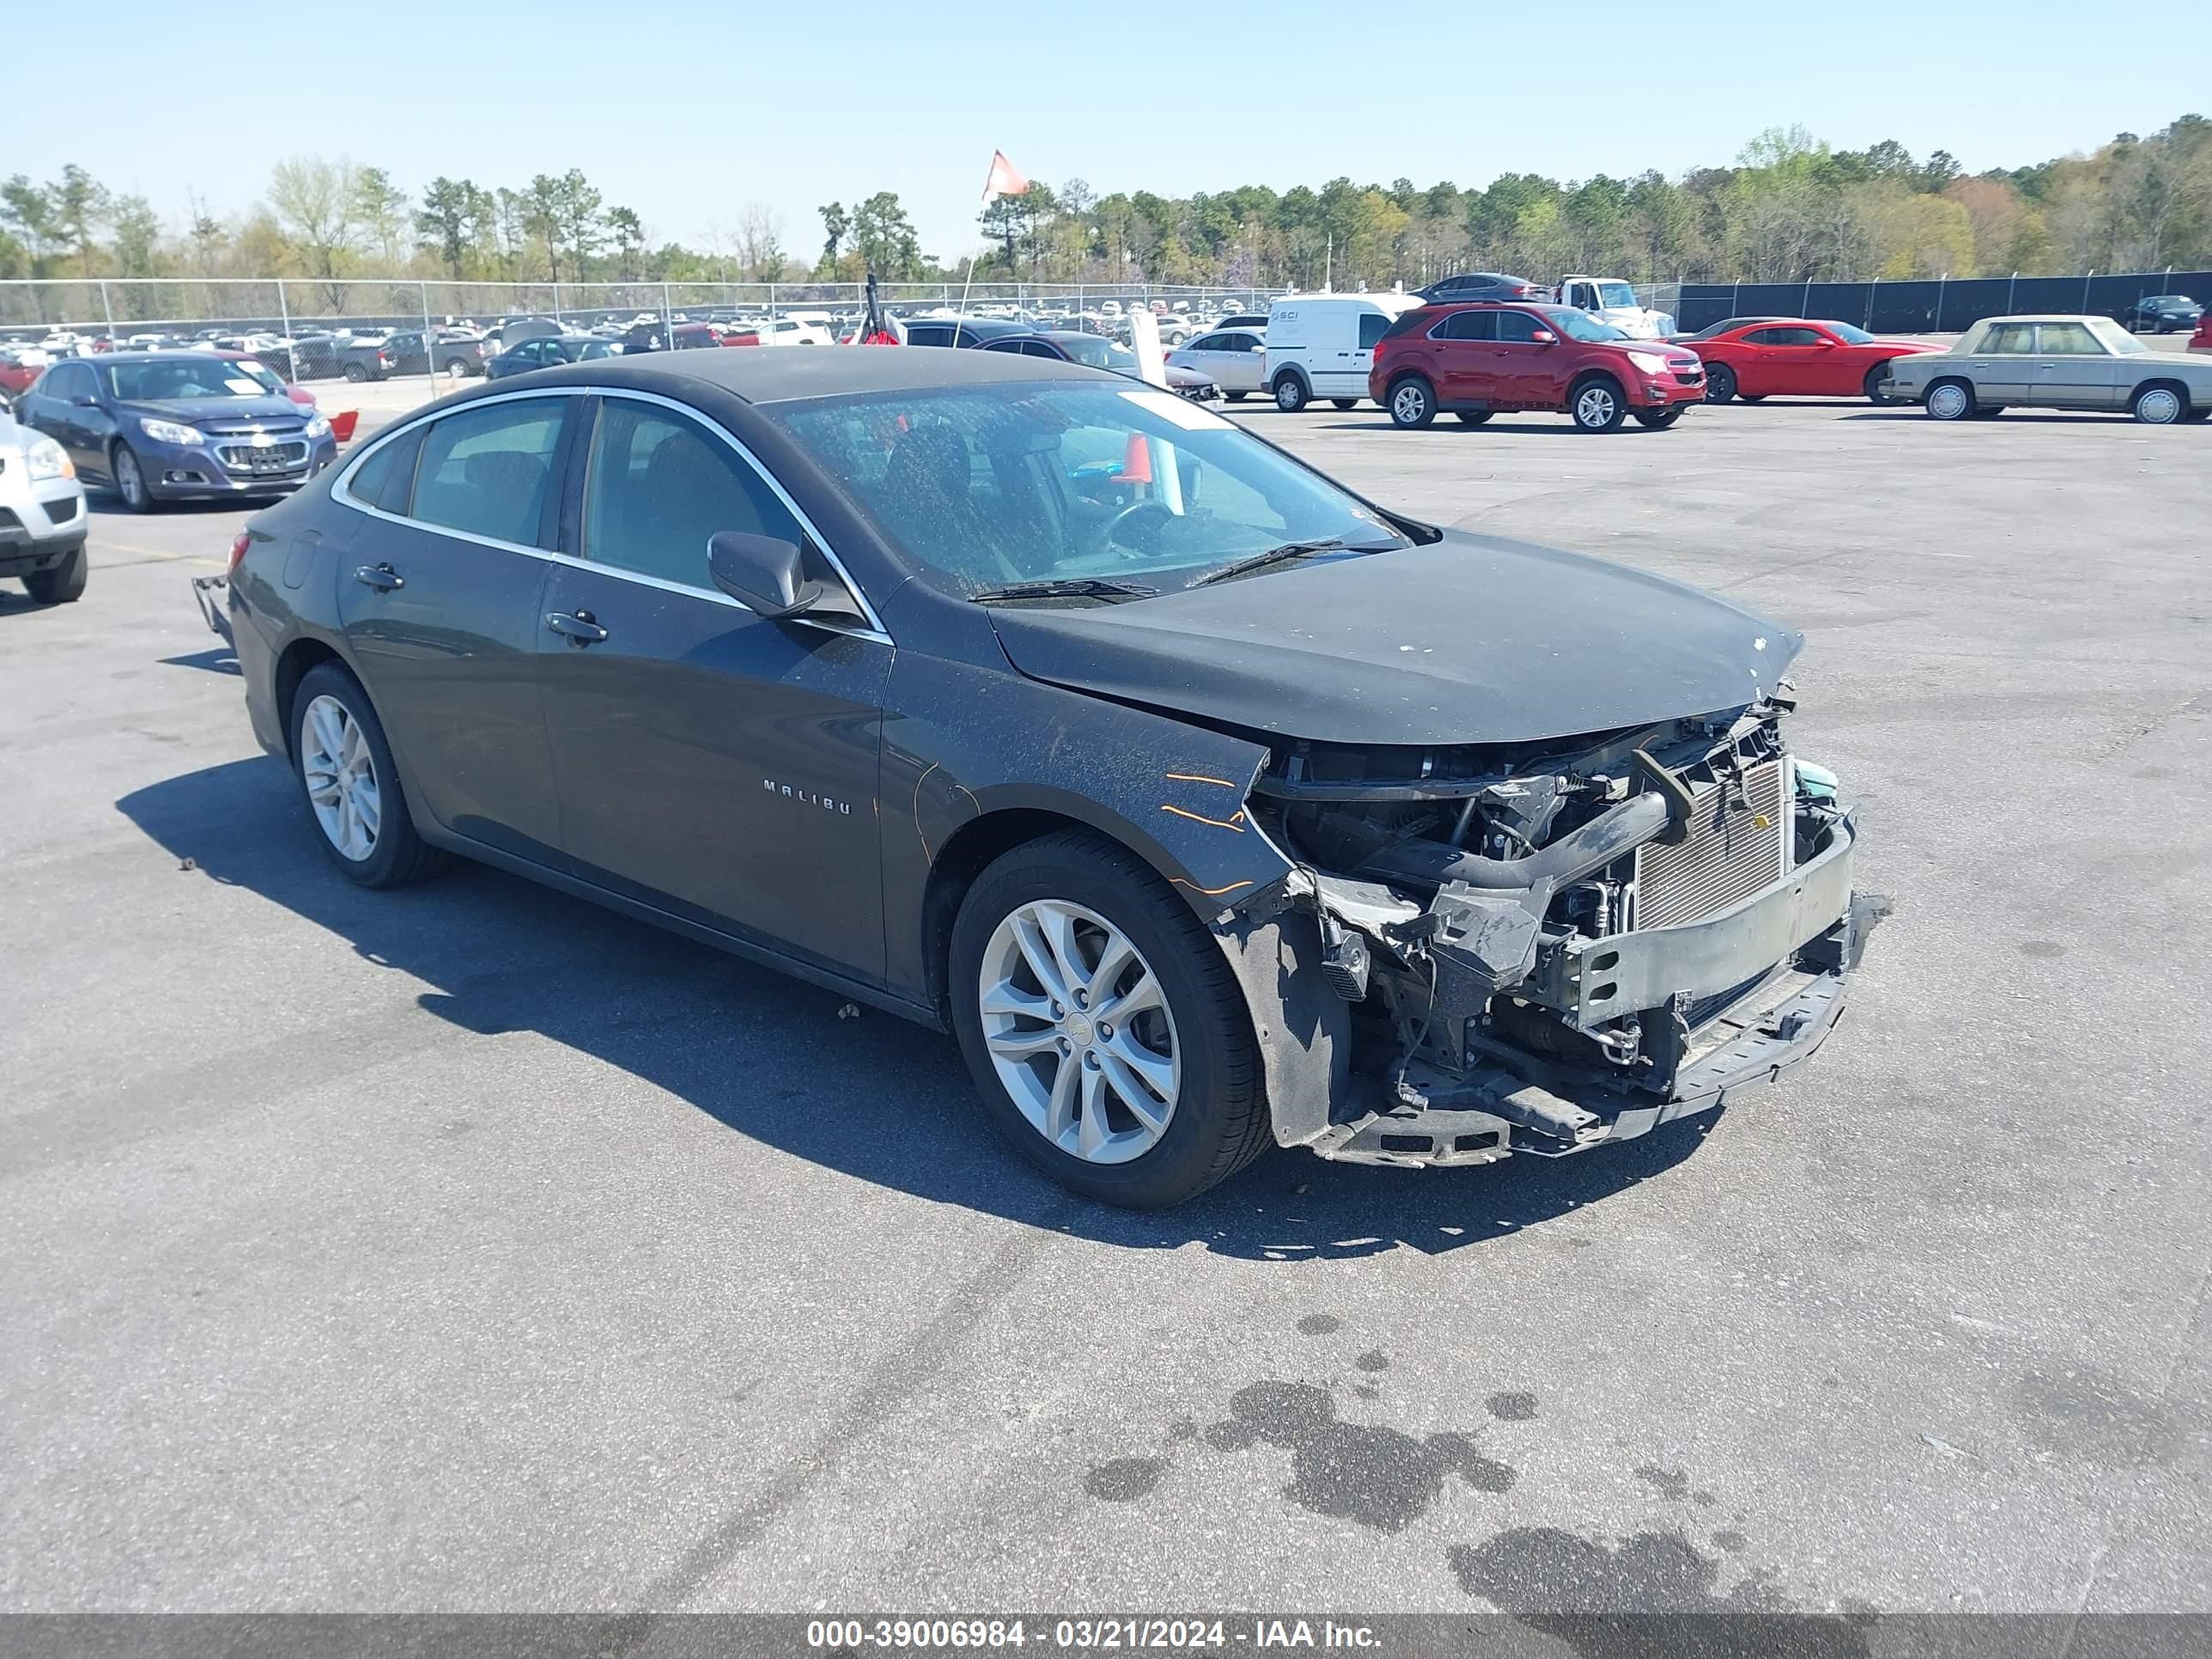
{"x":1580,"y":325}
{"x":1052,"y":480}
{"x":176,"y":377}
{"x":1100,"y":353}
{"x":1616,"y":295}
{"x":2116,"y":338}
{"x":1849,"y":333}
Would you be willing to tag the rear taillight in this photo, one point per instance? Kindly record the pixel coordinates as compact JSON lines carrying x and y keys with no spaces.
{"x":384,"y":360}
{"x":1381,"y":346}
{"x":238,"y":551}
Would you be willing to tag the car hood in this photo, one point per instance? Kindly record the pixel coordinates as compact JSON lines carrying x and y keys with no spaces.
{"x":1470,"y":641}
{"x":195,"y":411}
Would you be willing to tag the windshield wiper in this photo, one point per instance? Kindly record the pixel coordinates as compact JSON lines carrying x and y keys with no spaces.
{"x":1067,"y":587}
{"x":1281,"y":554}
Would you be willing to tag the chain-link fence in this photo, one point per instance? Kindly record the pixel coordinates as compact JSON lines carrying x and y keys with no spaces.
{"x":356,"y":328}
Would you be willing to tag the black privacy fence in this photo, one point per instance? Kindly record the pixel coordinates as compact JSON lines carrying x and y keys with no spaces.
{"x":1931,"y":308}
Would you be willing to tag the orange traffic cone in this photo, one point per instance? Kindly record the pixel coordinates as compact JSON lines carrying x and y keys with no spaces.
{"x":1136,"y":462}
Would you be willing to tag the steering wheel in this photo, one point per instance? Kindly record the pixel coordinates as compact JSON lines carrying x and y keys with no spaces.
{"x":1135,"y":515}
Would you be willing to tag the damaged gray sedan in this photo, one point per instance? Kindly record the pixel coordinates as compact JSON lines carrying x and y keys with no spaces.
{"x":1205,"y":802}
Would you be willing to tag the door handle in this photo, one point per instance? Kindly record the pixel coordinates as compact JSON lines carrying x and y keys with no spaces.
{"x":577,"y":628}
{"x":381,"y":577}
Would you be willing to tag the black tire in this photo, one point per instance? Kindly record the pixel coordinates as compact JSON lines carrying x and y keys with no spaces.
{"x":355,"y":373}
{"x":2197,"y":415}
{"x":1475,"y":416}
{"x":1751,"y":397}
{"x":129,"y":474}
{"x":2159,"y":403}
{"x":1990,"y":411}
{"x":1412,"y":403}
{"x":1344,"y":403}
{"x":1291,"y":393}
{"x":1942,"y":405}
{"x":1236,"y":396}
{"x":1872,"y":387}
{"x":1220,"y":1121}
{"x":1659,"y":419}
{"x":62,"y":583}
{"x":458,"y":368}
{"x":399,"y":855}
{"x":1720,"y":383}
{"x":1596,"y":404}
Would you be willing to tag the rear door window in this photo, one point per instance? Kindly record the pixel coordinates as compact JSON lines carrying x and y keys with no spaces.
{"x":487,"y":471}
{"x":387,"y":479}
{"x":2011,"y":340}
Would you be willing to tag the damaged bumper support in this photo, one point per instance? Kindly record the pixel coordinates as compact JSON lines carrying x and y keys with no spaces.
{"x":1729,"y":1002}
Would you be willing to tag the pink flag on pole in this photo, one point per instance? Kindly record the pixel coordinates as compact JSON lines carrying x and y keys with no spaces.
{"x":1004,"y":180}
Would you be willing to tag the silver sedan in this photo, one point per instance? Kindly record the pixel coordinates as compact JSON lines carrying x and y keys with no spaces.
{"x":2054,"y":362}
{"x":1235,"y":358}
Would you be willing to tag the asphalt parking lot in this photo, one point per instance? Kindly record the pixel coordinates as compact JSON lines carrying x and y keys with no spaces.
{"x":466,"y":1248}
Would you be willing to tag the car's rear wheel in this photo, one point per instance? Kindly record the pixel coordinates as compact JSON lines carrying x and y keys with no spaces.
{"x":344,"y":762}
{"x":1872,"y":387}
{"x":122,"y":466}
{"x":1596,"y":404}
{"x":1103,"y":1028}
{"x":1475,"y":416}
{"x":1412,"y":403}
{"x":355,"y":373}
{"x":1949,"y":400}
{"x":458,"y":367}
{"x":1720,"y":383}
{"x":2198,"y":415}
{"x":1290,"y":393}
{"x":1659,"y":419}
{"x":1751,"y":397}
{"x":1235,"y":397}
{"x":62,"y":583}
{"x":2160,"y":403}
{"x":1344,"y":403}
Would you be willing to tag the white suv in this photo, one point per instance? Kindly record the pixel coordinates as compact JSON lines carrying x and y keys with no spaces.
{"x":41,"y":515}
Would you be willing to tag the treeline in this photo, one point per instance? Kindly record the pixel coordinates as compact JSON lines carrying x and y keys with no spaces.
{"x":1791,"y":208}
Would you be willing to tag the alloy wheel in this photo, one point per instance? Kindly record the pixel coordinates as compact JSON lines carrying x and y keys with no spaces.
{"x":1595,"y":407}
{"x":1079,"y":1031}
{"x":1408,"y":403}
{"x":130,"y":482}
{"x":341,"y":777}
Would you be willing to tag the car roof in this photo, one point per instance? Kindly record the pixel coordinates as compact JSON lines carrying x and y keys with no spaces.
{"x":771,"y":377}
{"x":2049,"y":317}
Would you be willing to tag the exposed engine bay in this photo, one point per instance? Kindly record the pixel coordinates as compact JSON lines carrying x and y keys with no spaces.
{"x":1547,"y":947}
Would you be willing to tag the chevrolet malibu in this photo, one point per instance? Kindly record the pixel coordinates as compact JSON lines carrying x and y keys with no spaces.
{"x":161,"y":426}
{"x":1205,"y":803}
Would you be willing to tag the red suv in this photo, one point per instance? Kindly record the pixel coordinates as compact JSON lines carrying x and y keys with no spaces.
{"x":1477,"y":360}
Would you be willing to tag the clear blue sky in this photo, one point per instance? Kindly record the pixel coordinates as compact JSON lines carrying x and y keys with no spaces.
{"x":686,"y":110}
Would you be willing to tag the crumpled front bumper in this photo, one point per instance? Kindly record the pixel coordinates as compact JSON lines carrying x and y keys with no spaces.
{"x":1792,"y":948}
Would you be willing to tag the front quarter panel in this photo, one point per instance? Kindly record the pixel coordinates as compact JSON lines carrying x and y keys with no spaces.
{"x":961,"y":741}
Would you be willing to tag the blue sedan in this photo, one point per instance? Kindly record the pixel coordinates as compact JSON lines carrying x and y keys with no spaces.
{"x":159,"y":426}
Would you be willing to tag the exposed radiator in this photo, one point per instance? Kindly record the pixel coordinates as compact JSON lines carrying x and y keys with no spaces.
{"x":1737,"y":845}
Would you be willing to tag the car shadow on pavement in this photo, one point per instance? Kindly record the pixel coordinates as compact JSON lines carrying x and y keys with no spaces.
{"x":786,"y":1064}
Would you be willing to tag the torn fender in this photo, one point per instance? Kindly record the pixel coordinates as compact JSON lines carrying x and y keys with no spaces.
{"x":1303,"y":1028}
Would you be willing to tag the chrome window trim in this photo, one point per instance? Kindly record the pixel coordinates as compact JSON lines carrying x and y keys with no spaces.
{"x":342,"y":492}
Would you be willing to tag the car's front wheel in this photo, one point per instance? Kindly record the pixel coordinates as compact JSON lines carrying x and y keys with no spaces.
{"x":1872,"y":387}
{"x":1103,"y":1025}
{"x":1597,"y":405}
{"x":122,"y":466}
{"x":2159,"y":404}
{"x":62,"y":583}
{"x":1412,"y":403}
{"x":344,"y":762}
{"x":1949,"y":400}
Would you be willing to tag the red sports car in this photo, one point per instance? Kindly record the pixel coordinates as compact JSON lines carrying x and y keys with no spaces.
{"x":1798,"y":359}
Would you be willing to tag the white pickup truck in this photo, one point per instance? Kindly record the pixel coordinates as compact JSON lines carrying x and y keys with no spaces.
{"x":1614,"y":301}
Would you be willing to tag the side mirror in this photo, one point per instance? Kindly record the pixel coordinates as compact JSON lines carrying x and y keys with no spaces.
{"x":762,"y":573}
{"x":1544,"y":336}
{"x":85,"y":400}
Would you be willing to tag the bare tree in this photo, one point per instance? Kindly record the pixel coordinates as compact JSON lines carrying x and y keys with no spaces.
{"x":760,"y":241}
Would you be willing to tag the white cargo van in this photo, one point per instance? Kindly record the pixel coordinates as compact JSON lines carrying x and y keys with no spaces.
{"x":1322,"y":345}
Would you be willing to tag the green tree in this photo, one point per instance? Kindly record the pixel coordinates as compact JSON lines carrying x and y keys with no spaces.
{"x":885,"y":237}
{"x":577,"y":212}
{"x":837,"y":224}
{"x":445,"y":222}
{"x":137,"y":236}
{"x":30,"y":209}
{"x":380,"y":207}
{"x":629,"y":234}
{"x":80,"y":206}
